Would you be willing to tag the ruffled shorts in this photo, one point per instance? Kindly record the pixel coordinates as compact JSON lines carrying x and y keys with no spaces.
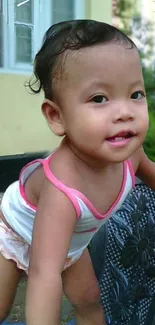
{"x":15,"y":248}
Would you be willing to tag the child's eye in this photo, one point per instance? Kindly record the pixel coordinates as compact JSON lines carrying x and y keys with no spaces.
{"x":138,"y":95}
{"x":99,"y":99}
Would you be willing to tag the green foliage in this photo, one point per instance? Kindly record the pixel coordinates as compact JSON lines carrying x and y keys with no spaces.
{"x":131,"y":22}
{"x":149,"y":144}
{"x":126,"y":10}
{"x":149,"y":80}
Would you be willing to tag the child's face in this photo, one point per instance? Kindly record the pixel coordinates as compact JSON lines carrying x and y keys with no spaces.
{"x":104,"y":110}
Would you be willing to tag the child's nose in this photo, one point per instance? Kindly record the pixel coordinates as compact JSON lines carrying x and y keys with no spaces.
{"x":123,"y":113}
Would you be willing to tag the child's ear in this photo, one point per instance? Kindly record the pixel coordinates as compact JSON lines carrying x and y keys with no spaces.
{"x":53,"y":116}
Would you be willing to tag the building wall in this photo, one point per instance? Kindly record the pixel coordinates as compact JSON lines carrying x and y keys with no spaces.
{"x":23,"y":128}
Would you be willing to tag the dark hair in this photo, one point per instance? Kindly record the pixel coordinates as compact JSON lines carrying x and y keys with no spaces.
{"x":69,"y":35}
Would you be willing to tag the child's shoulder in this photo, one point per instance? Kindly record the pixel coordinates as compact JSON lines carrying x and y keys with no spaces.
{"x":58,"y":169}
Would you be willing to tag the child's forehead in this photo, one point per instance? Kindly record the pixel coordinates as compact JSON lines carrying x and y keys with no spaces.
{"x":104,"y":60}
{"x":105,"y":52}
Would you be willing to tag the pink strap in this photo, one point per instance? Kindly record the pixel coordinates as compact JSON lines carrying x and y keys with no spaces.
{"x":132,"y":173}
{"x":45,"y":162}
{"x":72,"y":193}
{"x":66,"y":190}
{"x":22,"y":179}
{"x":69,"y":192}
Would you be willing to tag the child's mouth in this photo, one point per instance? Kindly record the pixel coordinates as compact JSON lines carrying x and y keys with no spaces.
{"x":121,"y":138}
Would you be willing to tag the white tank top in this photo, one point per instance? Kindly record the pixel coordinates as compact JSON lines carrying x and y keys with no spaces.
{"x":20,"y":213}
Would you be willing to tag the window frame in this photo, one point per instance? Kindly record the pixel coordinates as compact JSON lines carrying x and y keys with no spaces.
{"x":41,"y":7}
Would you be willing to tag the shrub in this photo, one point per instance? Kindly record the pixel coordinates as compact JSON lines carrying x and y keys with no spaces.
{"x":149,"y":144}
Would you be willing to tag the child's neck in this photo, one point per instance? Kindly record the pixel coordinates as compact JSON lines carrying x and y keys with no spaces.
{"x":87,"y":162}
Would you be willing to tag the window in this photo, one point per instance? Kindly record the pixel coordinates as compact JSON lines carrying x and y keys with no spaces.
{"x":23,"y":29}
{"x":23,"y":24}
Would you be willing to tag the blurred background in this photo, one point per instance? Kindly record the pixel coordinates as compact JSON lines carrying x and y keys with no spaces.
{"x":137,"y":19}
{"x":22,"y":26}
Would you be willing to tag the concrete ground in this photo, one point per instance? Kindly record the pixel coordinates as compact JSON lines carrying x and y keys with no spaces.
{"x":17,"y":313}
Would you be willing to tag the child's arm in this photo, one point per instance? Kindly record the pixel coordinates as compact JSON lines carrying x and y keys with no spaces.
{"x":146,"y":169}
{"x":54,"y":225}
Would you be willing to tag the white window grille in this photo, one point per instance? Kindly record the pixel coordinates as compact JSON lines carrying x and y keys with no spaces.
{"x":23,"y":24}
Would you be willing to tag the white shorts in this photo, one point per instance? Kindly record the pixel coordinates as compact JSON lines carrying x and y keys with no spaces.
{"x":13,"y":247}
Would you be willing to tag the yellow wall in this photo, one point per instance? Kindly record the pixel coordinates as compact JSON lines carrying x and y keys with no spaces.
{"x":23,"y":128}
{"x":22,"y":125}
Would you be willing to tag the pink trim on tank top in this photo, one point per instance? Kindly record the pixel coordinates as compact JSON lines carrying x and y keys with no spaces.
{"x":63,"y":188}
{"x":70,"y":191}
{"x":21,"y":186}
{"x":132,"y":173}
{"x":91,"y":207}
{"x":83,"y":231}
